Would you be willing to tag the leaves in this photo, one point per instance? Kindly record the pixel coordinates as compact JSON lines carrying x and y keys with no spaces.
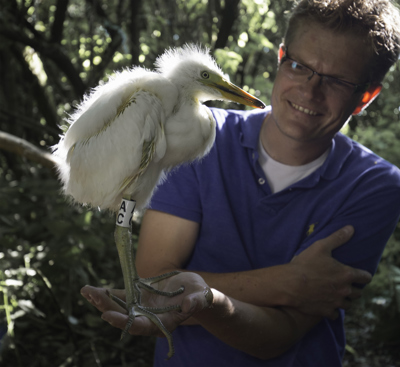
{"x":51,"y":53}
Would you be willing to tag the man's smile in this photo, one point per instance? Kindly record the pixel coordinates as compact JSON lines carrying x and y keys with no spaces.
{"x":303,"y":109}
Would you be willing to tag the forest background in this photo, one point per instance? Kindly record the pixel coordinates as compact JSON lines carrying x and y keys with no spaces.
{"x":51,"y":53}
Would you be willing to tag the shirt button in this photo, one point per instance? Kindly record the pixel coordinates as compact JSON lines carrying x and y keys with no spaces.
{"x":261,"y":181}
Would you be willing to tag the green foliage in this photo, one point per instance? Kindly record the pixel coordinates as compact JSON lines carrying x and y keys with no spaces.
{"x":378,"y":314}
{"x":51,"y":53}
{"x":49,"y":250}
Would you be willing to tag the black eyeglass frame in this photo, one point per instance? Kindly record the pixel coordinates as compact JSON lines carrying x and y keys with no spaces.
{"x":358,"y":88}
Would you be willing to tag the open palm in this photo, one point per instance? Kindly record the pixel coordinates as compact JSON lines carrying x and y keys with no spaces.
{"x":191,"y":301}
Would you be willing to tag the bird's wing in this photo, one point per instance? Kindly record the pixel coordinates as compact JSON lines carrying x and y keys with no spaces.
{"x":153,"y":148}
{"x":101,"y":106}
{"x":102,"y":160}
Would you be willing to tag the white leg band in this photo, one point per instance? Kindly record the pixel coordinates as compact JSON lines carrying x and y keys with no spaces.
{"x":124,"y":217}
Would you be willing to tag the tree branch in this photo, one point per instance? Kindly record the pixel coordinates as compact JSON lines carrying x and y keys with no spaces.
{"x":58,"y":23}
{"x":44,"y":103}
{"x":52,"y":51}
{"x":134,"y":29}
{"x":117,"y":36}
{"x":27,"y":150}
{"x":229,"y":15}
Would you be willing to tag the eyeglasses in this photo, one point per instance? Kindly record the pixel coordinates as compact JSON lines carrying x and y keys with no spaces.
{"x":331,"y":85}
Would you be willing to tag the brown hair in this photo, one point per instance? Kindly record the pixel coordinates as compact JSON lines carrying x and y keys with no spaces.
{"x":378,"y":21}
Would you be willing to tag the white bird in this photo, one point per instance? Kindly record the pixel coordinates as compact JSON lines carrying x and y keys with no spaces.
{"x":133,"y":129}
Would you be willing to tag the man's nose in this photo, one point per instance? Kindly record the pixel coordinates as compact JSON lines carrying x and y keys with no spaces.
{"x":312,"y":88}
{"x":317,"y":74}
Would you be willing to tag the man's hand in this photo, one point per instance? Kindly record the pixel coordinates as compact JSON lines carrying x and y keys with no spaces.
{"x":192,"y":300}
{"x":325,"y":283}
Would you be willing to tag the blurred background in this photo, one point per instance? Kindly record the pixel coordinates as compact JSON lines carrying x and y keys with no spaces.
{"x":51,"y":53}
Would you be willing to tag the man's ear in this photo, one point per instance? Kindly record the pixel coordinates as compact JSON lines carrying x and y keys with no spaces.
{"x":368,"y":96}
{"x":281,"y":52}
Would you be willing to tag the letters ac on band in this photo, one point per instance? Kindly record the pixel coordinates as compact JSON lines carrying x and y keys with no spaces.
{"x":125,"y":213}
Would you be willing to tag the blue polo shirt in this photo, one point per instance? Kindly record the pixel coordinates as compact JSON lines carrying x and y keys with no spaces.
{"x":243,"y":226}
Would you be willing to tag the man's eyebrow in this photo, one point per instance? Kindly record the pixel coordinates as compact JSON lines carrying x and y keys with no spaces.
{"x":333,"y":75}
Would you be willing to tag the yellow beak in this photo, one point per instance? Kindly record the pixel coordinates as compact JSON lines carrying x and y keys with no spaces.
{"x":233,"y":93}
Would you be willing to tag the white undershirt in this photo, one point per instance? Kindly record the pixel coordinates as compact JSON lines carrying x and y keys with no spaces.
{"x":280,"y":176}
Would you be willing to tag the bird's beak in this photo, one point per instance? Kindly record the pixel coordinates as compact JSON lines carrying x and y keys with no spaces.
{"x":233,"y":93}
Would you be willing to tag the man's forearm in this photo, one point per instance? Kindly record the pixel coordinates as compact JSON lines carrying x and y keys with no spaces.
{"x":263,"y":332}
{"x":263,"y":287}
{"x":313,"y":282}
{"x":260,"y":331}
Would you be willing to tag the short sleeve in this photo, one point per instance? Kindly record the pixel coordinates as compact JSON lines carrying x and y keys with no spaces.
{"x":179,"y":194}
{"x":373,"y":210}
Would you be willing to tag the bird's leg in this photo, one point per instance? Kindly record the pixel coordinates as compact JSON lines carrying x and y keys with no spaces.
{"x":133,"y":283}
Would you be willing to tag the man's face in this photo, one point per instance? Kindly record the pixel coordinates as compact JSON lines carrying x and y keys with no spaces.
{"x":305,"y":110}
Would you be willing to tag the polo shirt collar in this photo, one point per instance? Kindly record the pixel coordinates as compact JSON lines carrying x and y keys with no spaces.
{"x":251,"y":124}
{"x":340,"y":150}
{"x":341,"y":147}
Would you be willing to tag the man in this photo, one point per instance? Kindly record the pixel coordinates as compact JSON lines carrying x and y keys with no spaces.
{"x":259,"y":216}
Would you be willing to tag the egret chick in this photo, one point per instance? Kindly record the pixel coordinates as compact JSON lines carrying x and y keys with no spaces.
{"x":128,"y":133}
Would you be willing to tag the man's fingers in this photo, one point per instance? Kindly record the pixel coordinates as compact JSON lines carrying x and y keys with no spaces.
{"x":346,"y":304}
{"x":196,"y":302}
{"x":362,"y":277}
{"x":120,"y":293}
{"x":337,"y":238}
{"x":141,"y":325}
{"x":355,"y":293}
{"x":115,"y":319}
{"x":333,"y":315}
{"x":99,"y":298}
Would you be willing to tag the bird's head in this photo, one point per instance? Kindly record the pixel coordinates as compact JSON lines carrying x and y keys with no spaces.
{"x":196,"y":72}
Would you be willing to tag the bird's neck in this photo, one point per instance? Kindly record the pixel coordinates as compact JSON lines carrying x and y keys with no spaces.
{"x":190,"y":133}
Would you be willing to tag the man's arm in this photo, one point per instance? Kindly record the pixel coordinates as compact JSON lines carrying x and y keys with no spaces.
{"x":238,"y":317}
{"x":263,"y":332}
{"x":313,"y":283}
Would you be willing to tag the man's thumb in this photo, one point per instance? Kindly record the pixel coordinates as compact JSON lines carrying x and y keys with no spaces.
{"x":338,"y":238}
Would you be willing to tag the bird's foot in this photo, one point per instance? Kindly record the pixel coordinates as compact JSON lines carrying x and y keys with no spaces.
{"x":146,"y":283}
{"x":134,"y":307}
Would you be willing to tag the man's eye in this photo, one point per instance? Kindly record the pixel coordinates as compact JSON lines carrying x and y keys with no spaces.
{"x":297,"y":67}
{"x":336,"y":82}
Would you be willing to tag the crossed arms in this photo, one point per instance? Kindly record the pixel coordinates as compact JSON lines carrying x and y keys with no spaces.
{"x":271,"y":307}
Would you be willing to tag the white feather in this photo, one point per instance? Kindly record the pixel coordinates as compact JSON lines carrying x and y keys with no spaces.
{"x":102,"y":149}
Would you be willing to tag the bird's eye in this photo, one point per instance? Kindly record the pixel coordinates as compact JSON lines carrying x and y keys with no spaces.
{"x":205,"y":74}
